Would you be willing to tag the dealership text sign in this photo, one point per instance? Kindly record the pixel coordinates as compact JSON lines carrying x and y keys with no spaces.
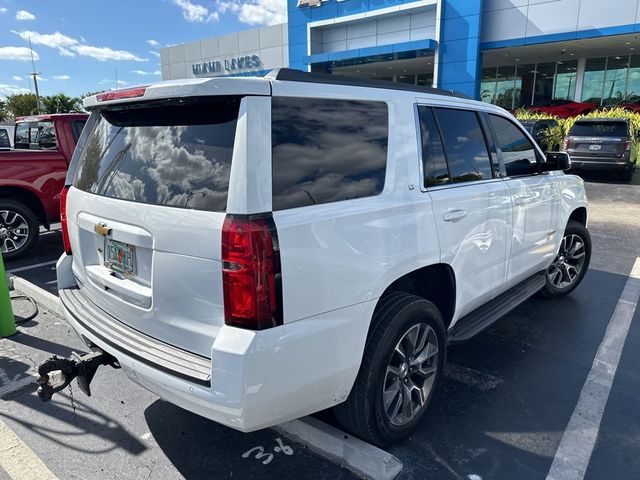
{"x":227,"y":65}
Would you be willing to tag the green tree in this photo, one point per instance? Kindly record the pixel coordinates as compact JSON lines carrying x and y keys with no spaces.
{"x":21,"y":104}
{"x":60,"y":103}
{"x":4,"y":112}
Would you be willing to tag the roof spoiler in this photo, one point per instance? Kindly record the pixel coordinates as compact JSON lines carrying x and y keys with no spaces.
{"x":292,"y":75}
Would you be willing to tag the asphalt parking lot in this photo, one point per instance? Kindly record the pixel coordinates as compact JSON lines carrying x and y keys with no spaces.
{"x":501,"y":411}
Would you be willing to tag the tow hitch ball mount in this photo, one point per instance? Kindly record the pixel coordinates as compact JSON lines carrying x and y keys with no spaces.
{"x":55,"y":374}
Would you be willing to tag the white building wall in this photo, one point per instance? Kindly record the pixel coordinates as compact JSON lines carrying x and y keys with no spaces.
{"x":270,"y":44}
{"x":371,"y":32}
{"x":516,"y":19}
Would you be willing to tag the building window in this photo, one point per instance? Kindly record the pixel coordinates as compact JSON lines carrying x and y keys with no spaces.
{"x":615,"y":79}
{"x":593,"y":81}
{"x":565,"y":80}
{"x":515,"y":86}
{"x":633,"y":78}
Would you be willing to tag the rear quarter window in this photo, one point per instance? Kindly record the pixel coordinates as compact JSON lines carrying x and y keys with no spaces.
{"x":176,"y":154}
{"x":327,"y":150}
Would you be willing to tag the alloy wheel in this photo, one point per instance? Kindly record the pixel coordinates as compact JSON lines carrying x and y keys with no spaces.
{"x":569,"y":262}
{"x":410,"y":374}
{"x":14,"y":231}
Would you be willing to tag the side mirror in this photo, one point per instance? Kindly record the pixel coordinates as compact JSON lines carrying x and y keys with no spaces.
{"x":556,"y":161}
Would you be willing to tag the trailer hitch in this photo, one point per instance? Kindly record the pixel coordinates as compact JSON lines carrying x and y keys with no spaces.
{"x":56,"y":373}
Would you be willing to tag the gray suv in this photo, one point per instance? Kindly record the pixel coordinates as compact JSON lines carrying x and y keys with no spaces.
{"x":601,"y":144}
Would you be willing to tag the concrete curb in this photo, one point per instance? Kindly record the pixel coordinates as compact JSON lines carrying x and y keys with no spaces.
{"x":360,"y":457}
{"x":40,"y":296}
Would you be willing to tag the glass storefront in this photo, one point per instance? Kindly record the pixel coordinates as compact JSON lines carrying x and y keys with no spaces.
{"x":610,"y":80}
{"x":516,"y":86}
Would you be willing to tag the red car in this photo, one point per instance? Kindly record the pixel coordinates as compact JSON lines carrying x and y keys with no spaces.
{"x":563,"y":108}
{"x":632,"y":104}
{"x":32,"y":176}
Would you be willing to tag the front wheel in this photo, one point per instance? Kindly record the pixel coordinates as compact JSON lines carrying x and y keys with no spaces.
{"x":571,"y":263}
{"x":401,"y":367}
{"x":19,"y":228}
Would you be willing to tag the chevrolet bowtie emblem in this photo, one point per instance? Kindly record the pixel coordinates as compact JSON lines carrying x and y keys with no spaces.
{"x":102,"y":229}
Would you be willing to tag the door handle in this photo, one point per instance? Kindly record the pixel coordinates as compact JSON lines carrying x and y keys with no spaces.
{"x":453,"y":215}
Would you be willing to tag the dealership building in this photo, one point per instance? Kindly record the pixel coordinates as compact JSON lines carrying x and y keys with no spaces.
{"x":509,"y":52}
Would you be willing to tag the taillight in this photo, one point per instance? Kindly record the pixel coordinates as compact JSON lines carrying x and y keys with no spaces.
{"x":565,"y":143}
{"x":251,"y":272}
{"x":63,"y":220}
{"x":627,"y":145}
{"x":120,"y":94}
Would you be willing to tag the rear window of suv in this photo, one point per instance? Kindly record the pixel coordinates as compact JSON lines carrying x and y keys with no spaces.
{"x":327,"y":150}
{"x":176,"y":154}
{"x":599,"y":129}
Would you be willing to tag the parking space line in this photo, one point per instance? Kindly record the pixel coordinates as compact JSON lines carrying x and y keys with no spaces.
{"x":575,"y":449}
{"x":29,"y":267}
{"x":18,"y":460}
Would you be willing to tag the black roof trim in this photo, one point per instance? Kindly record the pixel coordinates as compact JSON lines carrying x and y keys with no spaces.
{"x":292,"y":75}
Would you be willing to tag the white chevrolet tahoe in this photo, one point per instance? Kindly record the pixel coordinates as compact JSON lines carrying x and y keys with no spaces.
{"x":259,"y":249}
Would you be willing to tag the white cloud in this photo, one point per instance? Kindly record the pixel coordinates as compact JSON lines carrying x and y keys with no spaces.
{"x":17,"y":53}
{"x":68,"y":46}
{"x":194,"y":12}
{"x":24,"y":15}
{"x":17,"y":78}
{"x":103,"y":54}
{"x":154,"y":53}
{"x":3,"y":10}
{"x":122,"y":83}
{"x":153,"y":43}
{"x":11,"y":90}
{"x":62,"y":77}
{"x":142,"y":72}
{"x":256,"y":12}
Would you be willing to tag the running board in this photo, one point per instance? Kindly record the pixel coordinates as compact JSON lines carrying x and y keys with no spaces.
{"x":473,"y":323}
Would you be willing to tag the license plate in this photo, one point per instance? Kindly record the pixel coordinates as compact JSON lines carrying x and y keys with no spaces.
{"x":120,"y":257}
{"x":595,"y":147}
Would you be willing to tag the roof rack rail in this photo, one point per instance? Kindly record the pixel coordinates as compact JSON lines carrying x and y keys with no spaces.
{"x":292,"y":75}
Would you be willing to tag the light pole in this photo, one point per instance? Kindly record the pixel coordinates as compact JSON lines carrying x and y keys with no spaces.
{"x":35,"y":78}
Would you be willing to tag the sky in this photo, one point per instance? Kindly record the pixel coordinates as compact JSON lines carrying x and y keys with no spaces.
{"x":80,"y":46}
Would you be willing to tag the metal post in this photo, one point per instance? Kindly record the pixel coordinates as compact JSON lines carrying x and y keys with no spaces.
{"x":7,"y":322}
{"x":35,"y":79}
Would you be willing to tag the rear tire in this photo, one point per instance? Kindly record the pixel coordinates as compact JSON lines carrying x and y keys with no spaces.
{"x":627,"y":175}
{"x":401,"y":367}
{"x":571,"y":264}
{"x":19,"y":228}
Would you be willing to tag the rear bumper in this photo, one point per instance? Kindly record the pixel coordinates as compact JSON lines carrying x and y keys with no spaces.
{"x":257,"y":379}
{"x":594,"y":164}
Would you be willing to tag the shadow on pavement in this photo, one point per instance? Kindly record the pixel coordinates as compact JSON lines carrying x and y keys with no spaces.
{"x":202,"y":449}
{"x":606,"y":177}
{"x":69,"y":427}
{"x":41,"y":344}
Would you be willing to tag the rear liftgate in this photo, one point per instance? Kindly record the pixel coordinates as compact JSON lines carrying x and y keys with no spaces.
{"x":55,"y":374}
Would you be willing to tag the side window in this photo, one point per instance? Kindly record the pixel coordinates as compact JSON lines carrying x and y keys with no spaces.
{"x":46,"y":136}
{"x":464,"y":145}
{"x":434,"y":163}
{"x":33,"y":136}
{"x":518,"y":152}
{"x":22,"y":135}
{"x":327,"y":150}
{"x":4,"y":139}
